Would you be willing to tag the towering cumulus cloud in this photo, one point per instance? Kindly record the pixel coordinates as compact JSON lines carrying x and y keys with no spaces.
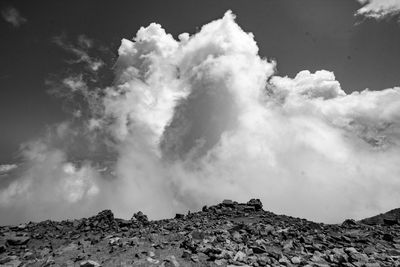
{"x":192,"y":121}
{"x":379,"y":9}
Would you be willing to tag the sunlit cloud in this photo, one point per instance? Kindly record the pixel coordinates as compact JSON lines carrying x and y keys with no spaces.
{"x":4,"y":168}
{"x":197,"y":119}
{"x":379,"y":9}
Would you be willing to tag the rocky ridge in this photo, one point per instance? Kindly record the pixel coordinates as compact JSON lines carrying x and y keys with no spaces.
{"x":227,"y":234}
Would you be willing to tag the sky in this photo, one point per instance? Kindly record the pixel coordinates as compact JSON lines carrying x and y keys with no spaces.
{"x":65,"y":63}
{"x":311,"y":34}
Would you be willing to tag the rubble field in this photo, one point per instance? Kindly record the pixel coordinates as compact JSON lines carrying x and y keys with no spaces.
{"x":227,"y":234}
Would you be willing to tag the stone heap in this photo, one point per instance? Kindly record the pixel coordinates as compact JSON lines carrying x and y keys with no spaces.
{"x":227,"y":234}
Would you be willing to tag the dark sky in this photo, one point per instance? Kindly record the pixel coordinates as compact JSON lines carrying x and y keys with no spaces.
{"x":307,"y":34}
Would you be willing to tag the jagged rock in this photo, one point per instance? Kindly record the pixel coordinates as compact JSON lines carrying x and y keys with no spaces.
{"x":390,"y":216}
{"x":387,"y":237}
{"x":198,"y":235}
{"x":228,"y":203}
{"x":179,"y":216}
{"x":29,"y":256}
{"x":256,"y":203}
{"x":153,"y":261}
{"x":295,"y":260}
{"x":7,"y":259}
{"x":139,"y":216}
{"x":171,"y":261}
{"x":240,"y":256}
{"x":349,"y":222}
{"x":186,"y":254}
{"x":89,"y":263}
{"x":14,"y":263}
{"x":258,"y":250}
{"x":226,"y":234}
{"x":194,"y":258}
{"x":106,"y":215}
{"x":17,"y":240}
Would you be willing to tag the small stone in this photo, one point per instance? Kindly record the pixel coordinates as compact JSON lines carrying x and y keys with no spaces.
{"x":389,"y":221}
{"x":199,"y":235}
{"x":186,"y":254}
{"x":240,"y":256}
{"x":393,"y":252}
{"x":151,"y":260}
{"x":288,"y":245}
{"x":237,"y":237}
{"x":350,"y":250}
{"x":194,"y":258}
{"x":263,"y":260}
{"x":179,"y":216}
{"x":14,"y":263}
{"x":228,"y":203}
{"x":220,"y":262}
{"x":295,"y":260}
{"x":21,"y":227}
{"x":349,"y":222}
{"x":113,"y":241}
{"x":89,"y":263}
{"x":387,"y":237}
{"x":7,"y":259}
{"x":17,"y":240}
{"x":284,"y":261}
{"x":29,"y":256}
{"x":258,"y":250}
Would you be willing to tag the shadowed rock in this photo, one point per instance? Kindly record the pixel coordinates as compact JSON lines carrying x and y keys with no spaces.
{"x":226,"y":234}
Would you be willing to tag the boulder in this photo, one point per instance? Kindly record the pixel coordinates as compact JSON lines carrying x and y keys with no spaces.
{"x":256,"y":203}
{"x":228,"y":203}
{"x":140,"y":217}
{"x":17,"y":240}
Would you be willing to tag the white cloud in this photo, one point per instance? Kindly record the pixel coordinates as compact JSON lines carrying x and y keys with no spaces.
{"x":48,"y":183}
{"x":80,"y":51}
{"x":312,"y":85}
{"x":379,"y":9}
{"x":5,"y":168}
{"x":12,"y":16}
{"x":196,"y":120}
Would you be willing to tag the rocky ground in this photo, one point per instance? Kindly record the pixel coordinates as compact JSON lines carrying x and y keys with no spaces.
{"x":228,"y":234}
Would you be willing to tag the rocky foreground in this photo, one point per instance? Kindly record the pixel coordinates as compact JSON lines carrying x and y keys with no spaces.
{"x":228,"y":234}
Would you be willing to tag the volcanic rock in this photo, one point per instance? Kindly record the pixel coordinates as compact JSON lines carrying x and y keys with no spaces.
{"x":256,"y":203}
{"x":391,"y":217}
{"x":89,"y":263}
{"x":139,"y":216}
{"x":17,"y":240}
{"x":227,"y":234}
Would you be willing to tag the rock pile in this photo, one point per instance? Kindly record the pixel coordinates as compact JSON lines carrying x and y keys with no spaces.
{"x":391,"y":217}
{"x":227,"y":234}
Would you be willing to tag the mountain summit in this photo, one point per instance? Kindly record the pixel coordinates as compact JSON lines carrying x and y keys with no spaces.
{"x":227,"y":234}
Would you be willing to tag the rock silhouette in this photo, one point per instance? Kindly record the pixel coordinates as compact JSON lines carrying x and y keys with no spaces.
{"x":227,"y":234}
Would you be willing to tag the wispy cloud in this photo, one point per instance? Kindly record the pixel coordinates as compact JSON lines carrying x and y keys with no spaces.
{"x":4,"y":168}
{"x":379,"y":9}
{"x":12,"y":16}
{"x":80,"y":51}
